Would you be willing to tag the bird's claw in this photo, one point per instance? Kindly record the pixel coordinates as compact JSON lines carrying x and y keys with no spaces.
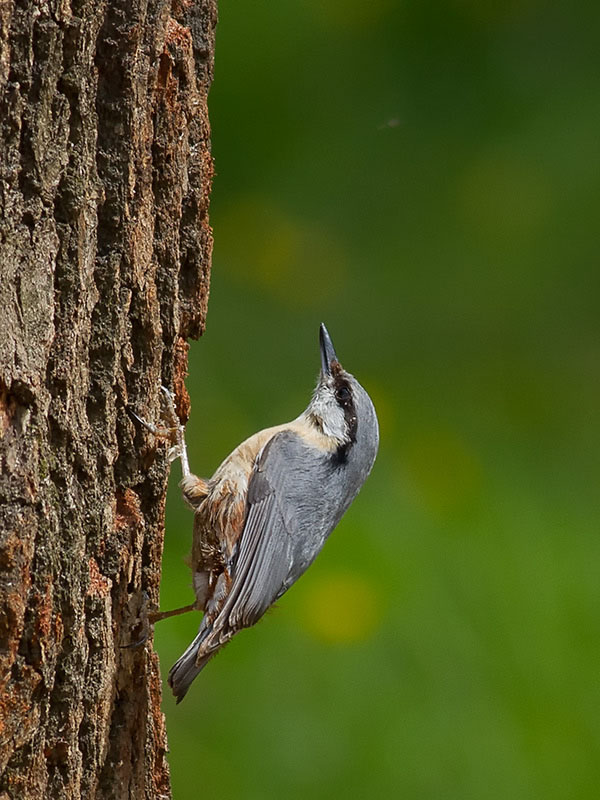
{"x":178,"y":450}
{"x":162,"y":433}
{"x":173,"y":453}
{"x":169,"y":403}
{"x":173,"y":432}
{"x":168,"y":394}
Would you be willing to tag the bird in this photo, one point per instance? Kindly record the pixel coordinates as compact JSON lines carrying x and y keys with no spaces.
{"x":265,"y":514}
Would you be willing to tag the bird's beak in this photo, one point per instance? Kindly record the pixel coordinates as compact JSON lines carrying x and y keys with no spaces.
{"x":328,"y":356}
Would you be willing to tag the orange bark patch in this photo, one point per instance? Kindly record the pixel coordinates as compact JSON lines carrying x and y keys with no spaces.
{"x":15,"y":560}
{"x":178,"y":34}
{"x":182,"y":398}
{"x":99,"y":584}
{"x":18,"y":715}
{"x":129,"y":514}
{"x":7,"y":408}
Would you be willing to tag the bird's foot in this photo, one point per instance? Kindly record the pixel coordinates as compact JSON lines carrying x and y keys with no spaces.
{"x":157,"y":616}
{"x":173,"y":432}
{"x":146,"y":619}
{"x":179,"y":449}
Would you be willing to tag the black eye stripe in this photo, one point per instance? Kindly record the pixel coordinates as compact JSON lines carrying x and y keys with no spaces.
{"x":345,"y":398}
{"x":343,"y":395}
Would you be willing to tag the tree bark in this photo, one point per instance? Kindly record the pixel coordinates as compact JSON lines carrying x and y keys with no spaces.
{"x":105,"y":248}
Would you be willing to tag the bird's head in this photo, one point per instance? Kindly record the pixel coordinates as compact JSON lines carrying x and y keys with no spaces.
{"x":340,"y":407}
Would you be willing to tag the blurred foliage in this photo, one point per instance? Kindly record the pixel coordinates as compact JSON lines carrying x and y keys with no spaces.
{"x":424,"y":177}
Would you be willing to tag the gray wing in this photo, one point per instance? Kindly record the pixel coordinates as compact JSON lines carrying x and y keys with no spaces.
{"x":275,"y":546}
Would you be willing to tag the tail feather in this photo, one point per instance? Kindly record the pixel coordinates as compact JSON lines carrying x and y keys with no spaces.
{"x":188,"y":666}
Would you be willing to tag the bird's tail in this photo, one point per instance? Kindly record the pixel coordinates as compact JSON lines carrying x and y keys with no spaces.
{"x":189,"y":665}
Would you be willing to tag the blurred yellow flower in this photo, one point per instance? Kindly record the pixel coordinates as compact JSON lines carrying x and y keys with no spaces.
{"x":341,"y":608}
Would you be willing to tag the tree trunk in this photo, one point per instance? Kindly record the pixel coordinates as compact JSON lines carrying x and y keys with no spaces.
{"x":105,"y":246}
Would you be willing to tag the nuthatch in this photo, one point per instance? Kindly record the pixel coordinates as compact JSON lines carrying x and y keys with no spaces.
{"x":264,"y":516}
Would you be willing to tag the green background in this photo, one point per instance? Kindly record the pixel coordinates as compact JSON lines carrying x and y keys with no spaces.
{"x":424,"y":177}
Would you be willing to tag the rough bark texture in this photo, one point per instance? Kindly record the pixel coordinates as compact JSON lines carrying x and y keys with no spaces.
{"x":105,"y":248}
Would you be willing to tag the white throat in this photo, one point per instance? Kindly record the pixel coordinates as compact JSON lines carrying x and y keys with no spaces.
{"x":326,"y":413}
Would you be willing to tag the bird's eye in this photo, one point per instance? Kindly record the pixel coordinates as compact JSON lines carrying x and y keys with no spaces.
{"x":343,"y":395}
